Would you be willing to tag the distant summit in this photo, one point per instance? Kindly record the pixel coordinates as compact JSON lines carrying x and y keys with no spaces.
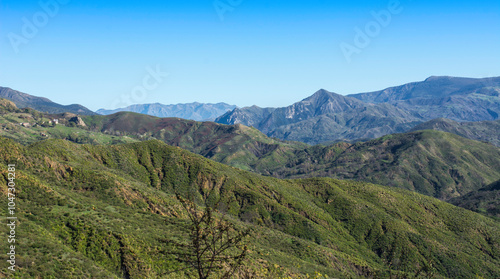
{"x":23,"y":100}
{"x":192,"y":111}
{"x":324,"y":117}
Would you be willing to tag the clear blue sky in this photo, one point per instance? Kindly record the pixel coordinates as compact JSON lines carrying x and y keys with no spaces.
{"x":268,"y":53}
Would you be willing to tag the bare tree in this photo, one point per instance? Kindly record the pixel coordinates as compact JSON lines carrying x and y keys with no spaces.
{"x":215,"y":247}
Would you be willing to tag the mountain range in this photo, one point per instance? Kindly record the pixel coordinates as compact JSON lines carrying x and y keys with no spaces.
{"x":459,"y":99}
{"x":433,"y":163}
{"x":193,"y":111}
{"x":329,"y":117}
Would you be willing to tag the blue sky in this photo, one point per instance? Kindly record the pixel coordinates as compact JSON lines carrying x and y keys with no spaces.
{"x":269,"y":53}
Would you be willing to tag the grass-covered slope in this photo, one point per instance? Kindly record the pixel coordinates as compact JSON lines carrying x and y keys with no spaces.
{"x":106,"y":211}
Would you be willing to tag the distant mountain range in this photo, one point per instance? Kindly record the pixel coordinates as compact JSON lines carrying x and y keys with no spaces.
{"x":23,"y":100}
{"x":192,"y":111}
{"x":327,"y":117}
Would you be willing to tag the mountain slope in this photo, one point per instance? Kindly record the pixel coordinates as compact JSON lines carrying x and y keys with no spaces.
{"x":193,"y":111}
{"x":248,"y":116}
{"x":459,"y":99}
{"x":23,"y":100}
{"x":236,"y":145}
{"x":327,"y":116}
{"x":433,"y":163}
{"x":486,"y":131}
{"x":93,"y":201}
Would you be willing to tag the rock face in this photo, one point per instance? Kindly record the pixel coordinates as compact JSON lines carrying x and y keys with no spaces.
{"x":193,"y":111}
{"x":78,"y":121}
{"x":326,"y":116}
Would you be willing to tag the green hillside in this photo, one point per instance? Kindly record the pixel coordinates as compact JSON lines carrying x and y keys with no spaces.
{"x":89,"y":211}
{"x":433,"y":163}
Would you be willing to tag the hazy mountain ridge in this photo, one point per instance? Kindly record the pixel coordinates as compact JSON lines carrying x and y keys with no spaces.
{"x":459,"y":99}
{"x":192,"y":111}
{"x":23,"y":100}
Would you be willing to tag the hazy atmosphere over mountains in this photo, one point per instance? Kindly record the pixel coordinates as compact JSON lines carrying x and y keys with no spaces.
{"x":232,"y":139}
{"x":193,"y":111}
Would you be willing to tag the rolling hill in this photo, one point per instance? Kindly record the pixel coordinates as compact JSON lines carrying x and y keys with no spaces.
{"x":433,"y":163}
{"x":107,"y":211}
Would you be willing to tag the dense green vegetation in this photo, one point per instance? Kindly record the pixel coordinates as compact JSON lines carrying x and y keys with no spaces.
{"x":433,"y":163}
{"x":89,"y":211}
